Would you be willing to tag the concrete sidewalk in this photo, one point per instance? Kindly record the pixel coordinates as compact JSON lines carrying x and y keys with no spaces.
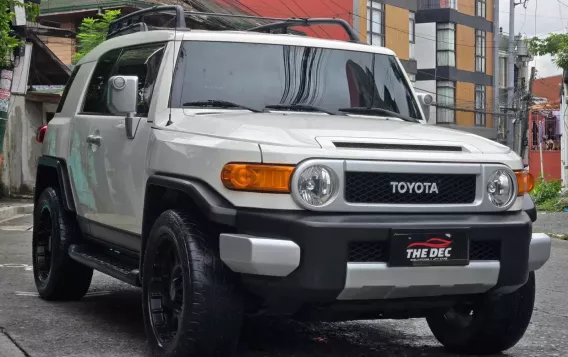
{"x":10,"y":208}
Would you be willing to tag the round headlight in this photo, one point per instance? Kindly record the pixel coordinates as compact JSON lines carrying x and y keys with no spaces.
{"x":317,"y":185}
{"x":500,"y":188}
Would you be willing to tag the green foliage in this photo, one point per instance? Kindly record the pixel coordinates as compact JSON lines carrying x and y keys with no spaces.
{"x":8,"y":40}
{"x":546,"y":195}
{"x":546,"y":190}
{"x":555,"y":44}
{"x":92,"y":32}
{"x":32,"y":11}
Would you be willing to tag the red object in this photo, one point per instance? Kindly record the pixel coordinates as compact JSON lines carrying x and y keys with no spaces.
{"x":278,"y":8}
{"x":432,"y":243}
{"x":551,"y":153}
{"x":40,"y":135}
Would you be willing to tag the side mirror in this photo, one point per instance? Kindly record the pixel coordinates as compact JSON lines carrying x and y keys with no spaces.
{"x":122,"y":99}
{"x":425,"y":100}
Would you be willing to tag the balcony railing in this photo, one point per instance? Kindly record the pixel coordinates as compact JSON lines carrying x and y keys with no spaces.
{"x":437,"y":4}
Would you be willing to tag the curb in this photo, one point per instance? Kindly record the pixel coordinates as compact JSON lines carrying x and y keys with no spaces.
{"x":8,"y":347}
{"x":11,"y":211}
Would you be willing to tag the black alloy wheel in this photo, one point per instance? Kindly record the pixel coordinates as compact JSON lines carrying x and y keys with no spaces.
{"x":56,"y":275}
{"x":165,"y":297}
{"x":42,"y":251}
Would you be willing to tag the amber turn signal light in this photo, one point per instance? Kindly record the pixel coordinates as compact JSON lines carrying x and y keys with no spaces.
{"x":525,"y":182}
{"x":257,"y":177}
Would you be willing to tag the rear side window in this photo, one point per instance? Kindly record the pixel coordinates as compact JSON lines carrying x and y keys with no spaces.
{"x":66,"y":90}
{"x":95,"y":102}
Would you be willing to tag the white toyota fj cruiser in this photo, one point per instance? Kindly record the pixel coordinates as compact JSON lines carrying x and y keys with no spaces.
{"x":239,"y":172}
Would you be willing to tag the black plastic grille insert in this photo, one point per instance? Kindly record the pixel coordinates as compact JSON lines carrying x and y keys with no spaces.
{"x":368,"y":252}
{"x":375,"y":146}
{"x":376,"y":187}
{"x":484,"y":250}
{"x":371,"y":252}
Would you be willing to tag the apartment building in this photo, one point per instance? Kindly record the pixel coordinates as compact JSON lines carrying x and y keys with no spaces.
{"x":455,"y":46}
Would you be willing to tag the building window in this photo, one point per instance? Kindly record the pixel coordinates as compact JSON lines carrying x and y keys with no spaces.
{"x":375,"y":23}
{"x":437,"y":4}
{"x":480,"y":105}
{"x":481,"y":8}
{"x":446,"y":44}
{"x":446,"y":99}
{"x":412,"y":32}
{"x":503,"y":70}
{"x":480,"y":48}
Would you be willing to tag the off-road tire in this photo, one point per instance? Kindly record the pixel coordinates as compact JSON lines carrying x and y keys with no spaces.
{"x":497,"y":323}
{"x":59,"y":277}
{"x":208,"y":321}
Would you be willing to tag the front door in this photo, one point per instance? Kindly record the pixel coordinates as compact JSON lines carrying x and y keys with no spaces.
{"x":117,"y":164}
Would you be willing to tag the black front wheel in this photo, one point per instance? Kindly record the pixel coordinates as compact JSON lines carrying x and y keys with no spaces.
{"x":56,"y":275}
{"x":191,"y":303}
{"x":489,"y":326}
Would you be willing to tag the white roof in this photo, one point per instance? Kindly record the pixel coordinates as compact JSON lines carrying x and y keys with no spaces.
{"x":227,"y":36}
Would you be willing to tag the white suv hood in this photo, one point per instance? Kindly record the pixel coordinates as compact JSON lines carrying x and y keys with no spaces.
{"x":321,"y":130}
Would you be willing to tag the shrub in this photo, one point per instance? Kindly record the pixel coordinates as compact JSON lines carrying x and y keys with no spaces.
{"x":546,"y":190}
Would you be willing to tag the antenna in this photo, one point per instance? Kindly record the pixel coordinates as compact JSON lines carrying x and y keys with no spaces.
{"x":170,"y":122}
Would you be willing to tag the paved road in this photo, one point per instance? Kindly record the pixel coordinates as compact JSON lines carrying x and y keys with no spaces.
{"x":108,"y":322}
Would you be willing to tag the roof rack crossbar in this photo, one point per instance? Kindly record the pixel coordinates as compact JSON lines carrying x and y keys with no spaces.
{"x":135,"y":19}
{"x":129,"y":21}
{"x":287,"y":23}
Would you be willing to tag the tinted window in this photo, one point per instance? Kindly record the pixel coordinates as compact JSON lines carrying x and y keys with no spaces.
{"x":66,"y":90}
{"x":143,"y":62}
{"x":256,"y":75}
{"x":95,"y":98}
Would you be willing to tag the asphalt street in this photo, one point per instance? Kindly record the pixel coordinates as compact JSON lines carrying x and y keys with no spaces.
{"x":108,"y":322}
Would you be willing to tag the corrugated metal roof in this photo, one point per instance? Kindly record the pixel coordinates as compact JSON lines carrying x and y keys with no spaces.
{"x":58,"y":6}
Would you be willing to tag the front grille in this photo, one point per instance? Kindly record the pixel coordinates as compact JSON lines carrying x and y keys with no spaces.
{"x":484,"y":250}
{"x":378,"y":146}
{"x":376,"y":187}
{"x":367,"y":252}
{"x":378,"y":252}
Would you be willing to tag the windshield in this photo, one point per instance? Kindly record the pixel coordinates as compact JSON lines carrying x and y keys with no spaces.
{"x":259,"y":75}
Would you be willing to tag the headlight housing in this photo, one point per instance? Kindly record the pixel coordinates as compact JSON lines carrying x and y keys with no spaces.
{"x":317,"y":185}
{"x":501,"y":188}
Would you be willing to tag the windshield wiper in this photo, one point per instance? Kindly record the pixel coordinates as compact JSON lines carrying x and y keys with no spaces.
{"x":218,"y":104}
{"x":377,"y":111}
{"x":298,"y":107}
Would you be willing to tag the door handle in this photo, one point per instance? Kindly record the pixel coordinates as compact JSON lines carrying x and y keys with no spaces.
{"x":94,"y":140}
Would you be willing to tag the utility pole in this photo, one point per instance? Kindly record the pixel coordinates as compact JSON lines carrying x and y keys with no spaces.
{"x":526,"y":117}
{"x":511,"y":76}
{"x":496,"y":70}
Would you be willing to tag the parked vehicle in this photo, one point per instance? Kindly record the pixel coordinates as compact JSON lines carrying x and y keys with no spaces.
{"x":229,"y":173}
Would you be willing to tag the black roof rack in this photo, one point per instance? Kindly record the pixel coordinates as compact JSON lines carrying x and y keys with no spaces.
{"x":136,"y":21}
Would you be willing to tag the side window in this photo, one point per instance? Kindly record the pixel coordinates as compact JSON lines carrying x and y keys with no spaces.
{"x":95,"y":102}
{"x":144,"y":62}
{"x":66,"y":90}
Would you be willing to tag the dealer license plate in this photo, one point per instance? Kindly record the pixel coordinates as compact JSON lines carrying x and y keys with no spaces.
{"x":428,"y":249}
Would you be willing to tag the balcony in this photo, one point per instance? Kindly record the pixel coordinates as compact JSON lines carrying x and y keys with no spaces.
{"x":437,"y":4}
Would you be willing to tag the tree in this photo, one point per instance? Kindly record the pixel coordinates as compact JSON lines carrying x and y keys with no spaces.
{"x":92,"y":32}
{"x":555,"y":44}
{"x":8,"y":39}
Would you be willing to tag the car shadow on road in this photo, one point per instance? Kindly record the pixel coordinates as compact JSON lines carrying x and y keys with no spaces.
{"x":121,"y":311}
{"x":275,"y":337}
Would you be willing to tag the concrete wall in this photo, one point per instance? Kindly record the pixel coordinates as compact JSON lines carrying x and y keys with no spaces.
{"x":21,"y":150}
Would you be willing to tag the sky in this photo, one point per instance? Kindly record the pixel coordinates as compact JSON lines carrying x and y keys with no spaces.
{"x":551,"y":16}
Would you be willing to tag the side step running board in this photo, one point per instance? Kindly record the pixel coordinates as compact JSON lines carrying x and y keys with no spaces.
{"x":106,"y":263}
